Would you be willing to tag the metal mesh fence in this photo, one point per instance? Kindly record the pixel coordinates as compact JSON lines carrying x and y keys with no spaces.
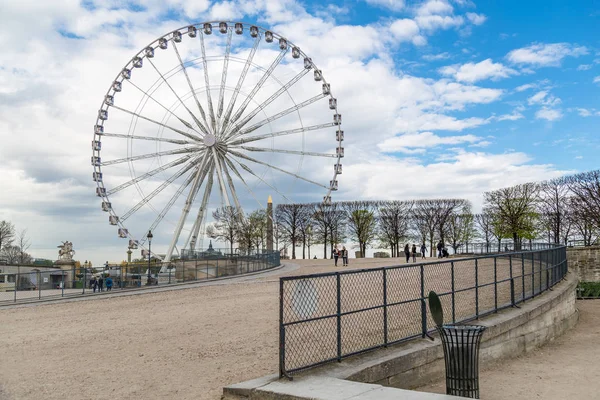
{"x":330,"y":316}
{"x":20,"y":284}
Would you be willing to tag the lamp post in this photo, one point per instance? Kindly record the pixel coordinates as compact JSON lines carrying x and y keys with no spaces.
{"x":149,"y":236}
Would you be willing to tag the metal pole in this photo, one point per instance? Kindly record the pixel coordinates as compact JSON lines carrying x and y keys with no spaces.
{"x":62,"y":283}
{"x":453,"y":292}
{"x":512,"y":282}
{"x":495,"y":284}
{"x":149,"y":256}
{"x":523,"y":274}
{"x":282,"y":371}
{"x":385,"y":311}
{"x":423,"y":307}
{"x":532,"y":275}
{"x":339,"y":318}
{"x":476,"y":289}
{"x":39,"y":274}
{"x":18,"y":277}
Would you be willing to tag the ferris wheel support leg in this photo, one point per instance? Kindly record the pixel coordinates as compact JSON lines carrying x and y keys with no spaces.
{"x":186,"y":209}
{"x":201,"y":213}
{"x":224,"y":196}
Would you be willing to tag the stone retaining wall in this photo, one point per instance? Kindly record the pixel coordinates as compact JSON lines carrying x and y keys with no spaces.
{"x":585,"y":262}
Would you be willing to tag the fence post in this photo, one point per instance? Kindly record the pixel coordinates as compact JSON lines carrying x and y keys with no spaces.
{"x":541,"y":271}
{"x":62,"y":283}
{"x":385,"y":322}
{"x":523,"y":273}
{"x":532,"y":275}
{"x":281,"y":332}
{"x":196,"y":265}
{"x":453,"y":296}
{"x":476,"y":289}
{"x":339,"y":318}
{"x":495,"y":284}
{"x":18,"y":278}
{"x":170,"y":269}
{"x":512,"y":281}
{"x":39,"y":282}
{"x":84,"y":279}
{"x":423,"y":307}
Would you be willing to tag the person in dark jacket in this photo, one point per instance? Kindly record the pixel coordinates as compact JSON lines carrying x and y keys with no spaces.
{"x":407,"y":252}
{"x":414,"y":252}
{"x":94,"y":284}
{"x":423,"y":250}
{"x":440,"y":247}
{"x":336,"y":255}
{"x":101,"y":284}
{"x":345,"y":256}
{"x":109,"y":284}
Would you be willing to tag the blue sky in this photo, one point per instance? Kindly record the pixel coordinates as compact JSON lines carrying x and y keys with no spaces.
{"x":439,"y":98}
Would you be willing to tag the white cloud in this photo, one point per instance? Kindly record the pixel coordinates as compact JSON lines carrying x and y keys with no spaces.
{"x":473,"y":72}
{"x":545,"y":98}
{"x":434,"y":22}
{"x":476,"y":19}
{"x":584,"y":67}
{"x":548,"y":114}
{"x":584,"y":112}
{"x":510,"y":117}
{"x":543,"y":55}
{"x":435,"y":57}
{"x":597,"y":79}
{"x":394,"y":5}
{"x":424,"y":140}
{"x":407,"y":30}
{"x":435,"y":7}
{"x":527,"y":86}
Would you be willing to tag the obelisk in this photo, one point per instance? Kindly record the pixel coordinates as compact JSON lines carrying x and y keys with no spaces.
{"x":270,"y":224}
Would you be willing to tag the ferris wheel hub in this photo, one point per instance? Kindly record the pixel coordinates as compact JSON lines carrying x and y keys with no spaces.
{"x":210,"y":140}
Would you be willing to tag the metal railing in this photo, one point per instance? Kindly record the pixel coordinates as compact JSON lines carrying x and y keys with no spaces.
{"x":33,"y":283}
{"x":330,"y":316}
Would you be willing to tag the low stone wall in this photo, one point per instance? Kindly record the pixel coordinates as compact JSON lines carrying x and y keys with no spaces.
{"x":585,"y":262}
{"x":509,"y":333}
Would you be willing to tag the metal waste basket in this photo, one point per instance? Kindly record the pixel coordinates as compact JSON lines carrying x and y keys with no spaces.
{"x":461,"y":355}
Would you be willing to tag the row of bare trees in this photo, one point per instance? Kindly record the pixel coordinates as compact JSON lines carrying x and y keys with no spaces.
{"x":13,"y":244}
{"x":556,"y":211}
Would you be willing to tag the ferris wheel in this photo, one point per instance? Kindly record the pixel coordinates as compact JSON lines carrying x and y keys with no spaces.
{"x":216,"y":113}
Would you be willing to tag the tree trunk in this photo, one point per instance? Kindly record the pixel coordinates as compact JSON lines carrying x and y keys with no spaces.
{"x":294,"y":249}
{"x":304,"y":249}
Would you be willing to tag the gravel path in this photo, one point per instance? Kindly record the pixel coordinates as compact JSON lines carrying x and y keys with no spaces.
{"x":188,"y":344}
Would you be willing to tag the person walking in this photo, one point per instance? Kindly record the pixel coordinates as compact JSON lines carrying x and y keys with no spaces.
{"x":94,"y":284}
{"x":423,"y":250}
{"x":414,"y":252}
{"x":344,"y":256}
{"x":101,"y":284}
{"x":440,"y":246}
{"x":109,"y":284}
{"x":407,"y":252}
{"x":336,"y":255}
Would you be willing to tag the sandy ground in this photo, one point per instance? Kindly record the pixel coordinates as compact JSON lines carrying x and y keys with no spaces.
{"x":188,"y":344}
{"x":566,"y":368}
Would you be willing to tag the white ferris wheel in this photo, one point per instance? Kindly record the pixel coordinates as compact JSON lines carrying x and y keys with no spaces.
{"x":213,"y":113}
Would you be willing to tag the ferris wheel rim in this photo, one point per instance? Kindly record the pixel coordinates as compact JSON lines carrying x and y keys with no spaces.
{"x":227,"y":161}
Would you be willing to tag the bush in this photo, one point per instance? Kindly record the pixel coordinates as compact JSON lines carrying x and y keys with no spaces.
{"x":589,"y":289}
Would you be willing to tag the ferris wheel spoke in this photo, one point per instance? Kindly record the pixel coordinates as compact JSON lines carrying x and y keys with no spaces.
{"x":249,"y":170}
{"x":184,"y":122}
{"x":207,"y":81}
{"x":263,"y":105}
{"x":234,"y":195}
{"x":187,"y":206}
{"x":241,"y":79}
{"x":258,"y":85}
{"x":254,"y":160}
{"x":148,"y":175}
{"x":202,"y":127}
{"x":155,"y":139}
{"x":280,"y":133}
{"x":277,"y":116}
{"x":224,"y":74}
{"x":224,"y":196}
{"x":150,"y":155}
{"x":202,"y":114}
{"x":232,"y":166}
{"x":156,"y":191}
{"x":201,"y":212}
{"x":295,"y":152}
{"x":188,"y":135}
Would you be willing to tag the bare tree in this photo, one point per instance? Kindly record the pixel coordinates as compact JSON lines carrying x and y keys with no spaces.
{"x":583,"y":226}
{"x":23,"y":243}
{"x":288,"y":220}
{"x":585,"y":187}
{"x":7,"y":234}
{"x":226,"y":225}
{"x":306,"y":228}
{"x":460,"y":229}
{"x":553,"y":204}
{"x":394,"y":222}
{"x":11,"y":254}
{"x":258,"y":221}
{"x":514,"y":208}
{"x":362,"y":222}
{"x":425,"y":221}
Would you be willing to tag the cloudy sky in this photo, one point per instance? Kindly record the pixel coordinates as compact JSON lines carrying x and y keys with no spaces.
{"x":439,"y":98}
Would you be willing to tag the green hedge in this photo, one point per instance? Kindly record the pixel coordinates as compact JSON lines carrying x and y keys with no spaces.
{"x":589,"y":289}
